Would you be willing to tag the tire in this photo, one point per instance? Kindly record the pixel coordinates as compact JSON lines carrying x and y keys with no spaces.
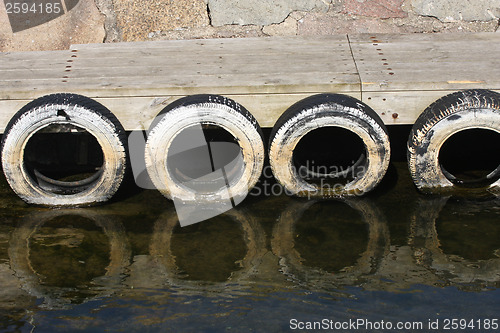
{"x":193,"y":111}
{"x":64,"y":110}
{"x":459,"y":111}
{"x":337,"y":111}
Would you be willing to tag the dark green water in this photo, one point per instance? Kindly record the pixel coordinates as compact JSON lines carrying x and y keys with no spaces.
{"x":275,"y":261}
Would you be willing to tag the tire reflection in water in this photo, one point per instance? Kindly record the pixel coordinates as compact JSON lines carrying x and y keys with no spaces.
{"x":216,"y":255}
{"x":327,"y":253}
{"x":448,"y":237}
{"x":66,"y":257}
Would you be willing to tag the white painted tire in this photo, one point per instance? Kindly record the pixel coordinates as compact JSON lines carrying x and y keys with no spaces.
{"x":193,"y":111}
{"x":64,"y":109}
{"x":329,"y":110}
{"x":470,"y":109}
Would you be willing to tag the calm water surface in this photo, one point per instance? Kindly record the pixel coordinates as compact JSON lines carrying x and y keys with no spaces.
{"x":272,"y":263}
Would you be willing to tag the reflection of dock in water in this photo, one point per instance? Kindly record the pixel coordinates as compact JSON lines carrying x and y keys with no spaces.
{"x":312,"y":246}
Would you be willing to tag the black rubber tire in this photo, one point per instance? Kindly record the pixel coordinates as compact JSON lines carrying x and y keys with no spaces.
{"x":329,"y":110}
{"x":445,"y":117}
{"x":193,"y":111}
{"x":64,"y":109}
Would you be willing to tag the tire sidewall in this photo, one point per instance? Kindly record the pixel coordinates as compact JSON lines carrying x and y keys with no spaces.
{"x":34,"y":120}
{"x":178,"y":119}
{"x":374,"y":138}
{"x":424,"y":162}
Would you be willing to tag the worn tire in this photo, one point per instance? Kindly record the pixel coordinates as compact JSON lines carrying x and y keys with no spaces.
{"x":64,"y":109}
{"x":204,"y":109}
{"x":329,"y":110}
{"x":445,"y":117}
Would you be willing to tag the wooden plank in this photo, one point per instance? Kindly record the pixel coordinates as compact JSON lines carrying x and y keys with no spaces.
{"x":189,"y":62}
{"x":304,"y":48}
{"x":266,"y":75}
{"x":8,"y":109}
{"x":137,"y":113}
{"x":402,"y":107}
{"x":33,"y":56}
{"x":15,"y":90}
{"x":251,"y":66}
{"x":418,"y":81}
{"x":276,"y":69}
{"x":228,"y":84}
{"x":31,"y":73}
{"x":221,"y":84}
{"x":27,"y":75}
{"x":252,"y":44}
{"x":254,"y":65}
{"x":92,"y":92}
{"x":12,"y":65}
{"x":268,"y":108}
{"x":428,"y":57}
{"x":420,"y":37}
{"x":423,"y":63}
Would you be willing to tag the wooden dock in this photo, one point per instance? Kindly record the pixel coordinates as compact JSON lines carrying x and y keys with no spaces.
{"x":397,"y":75}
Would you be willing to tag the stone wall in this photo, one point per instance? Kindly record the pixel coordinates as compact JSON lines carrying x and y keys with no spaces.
{"x":95,"y":21}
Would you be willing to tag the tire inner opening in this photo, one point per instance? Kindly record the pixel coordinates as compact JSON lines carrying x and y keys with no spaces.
{"x":63,"y":159}
{"x":471,"y":158}
{"x":205,"y":158}
{"x":329,"y":156}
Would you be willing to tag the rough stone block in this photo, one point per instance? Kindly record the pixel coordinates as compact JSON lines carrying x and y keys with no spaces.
{"x":82,"y":23}
{"x":137,"y":19}
{"x":286,"y":28}
{"x":458,"y":10}
{"x":259,"y":12}
{"x":375,"y":8}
